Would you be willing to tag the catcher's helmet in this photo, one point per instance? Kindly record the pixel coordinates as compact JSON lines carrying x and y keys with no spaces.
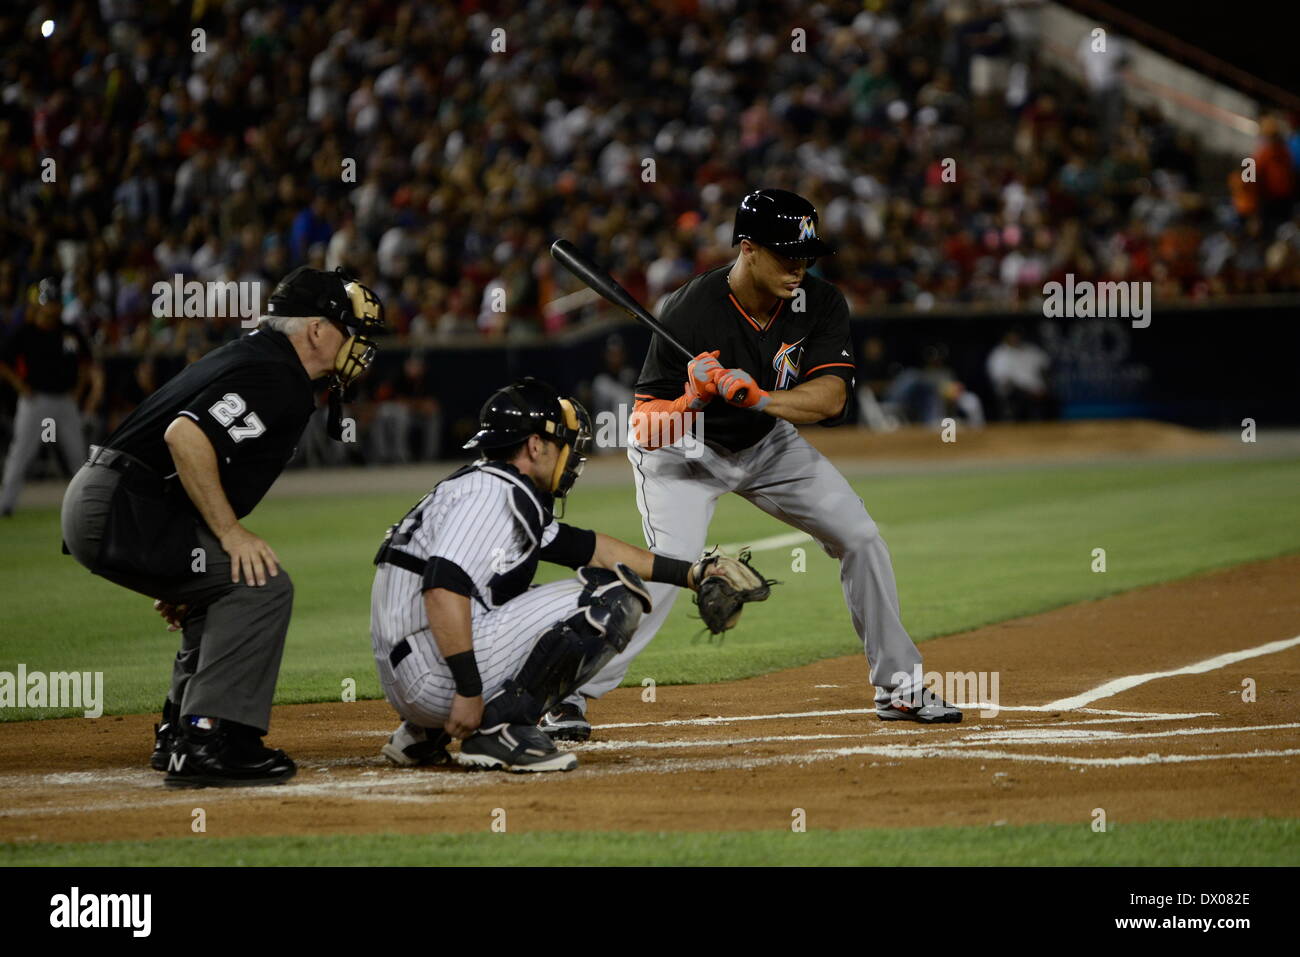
{"x":531,"y":407}
{"x":782,"y":221}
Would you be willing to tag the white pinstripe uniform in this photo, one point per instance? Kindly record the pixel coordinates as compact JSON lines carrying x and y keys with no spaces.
{"x":488,"y":521}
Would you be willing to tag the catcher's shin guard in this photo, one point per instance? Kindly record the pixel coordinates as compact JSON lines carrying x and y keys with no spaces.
{"x":572,"y":651}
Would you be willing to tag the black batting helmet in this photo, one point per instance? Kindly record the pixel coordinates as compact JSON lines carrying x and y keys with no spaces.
{"x":532,"y":407}
{"x":782,"y":221}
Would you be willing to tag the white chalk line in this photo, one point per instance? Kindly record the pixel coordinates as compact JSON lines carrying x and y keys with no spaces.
{"x":1122,"y":761}
{"x":374,"y":785}
{"x":416,"y":787}
{"x":977,"y":739}
{"x":1128,"y":682}
{"x":894,"y":728}
{"x":787,"y":715}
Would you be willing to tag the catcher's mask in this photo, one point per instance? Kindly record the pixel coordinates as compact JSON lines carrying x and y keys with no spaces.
{"x":575,"y":435}
{"x":531,"y":407}
{"x":353,"y":309}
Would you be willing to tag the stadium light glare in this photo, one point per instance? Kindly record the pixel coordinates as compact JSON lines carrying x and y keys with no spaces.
{"x":47,"y":28}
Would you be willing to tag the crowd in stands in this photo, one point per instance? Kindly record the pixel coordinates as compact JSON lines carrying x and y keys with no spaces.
{"x":436,"y":150}
{"x":394,"y":140}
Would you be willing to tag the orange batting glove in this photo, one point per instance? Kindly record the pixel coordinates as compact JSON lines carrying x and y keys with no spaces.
{"x":698,"y":400}
{"x":699,"y":377}
{"x":731,"y":382}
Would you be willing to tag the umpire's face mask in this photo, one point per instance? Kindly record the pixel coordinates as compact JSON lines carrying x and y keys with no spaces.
{"x":575,"y":435}
{"x":358,"y":349}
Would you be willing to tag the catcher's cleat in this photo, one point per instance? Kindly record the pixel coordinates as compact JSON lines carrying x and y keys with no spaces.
{"x":518,"y":748}
{"x":924,"y":708}
{"x":166,"y":735}
{"x":565,"y":722}
{"x":412,"y":746}
{"x":223,"y":754}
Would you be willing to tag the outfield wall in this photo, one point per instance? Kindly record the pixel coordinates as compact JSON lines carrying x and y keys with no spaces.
{"x":1208,"y":366}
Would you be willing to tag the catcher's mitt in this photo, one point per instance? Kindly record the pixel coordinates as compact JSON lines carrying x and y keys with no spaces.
{"x":723,"y":587}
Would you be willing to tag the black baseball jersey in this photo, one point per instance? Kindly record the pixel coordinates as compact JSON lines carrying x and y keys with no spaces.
{"x":252,"y":399}
{"x":49,"y":358}
{"x":791,"y":348}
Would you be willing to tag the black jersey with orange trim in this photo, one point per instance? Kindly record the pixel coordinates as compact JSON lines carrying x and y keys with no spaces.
{"x":780,"y":351}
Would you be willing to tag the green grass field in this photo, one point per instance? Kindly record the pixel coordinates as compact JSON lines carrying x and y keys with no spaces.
{"x":1218,"y":843}
{"x":969,"y":548}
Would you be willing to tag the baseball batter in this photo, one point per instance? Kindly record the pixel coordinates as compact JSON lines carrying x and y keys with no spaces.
{"x":773,"y":352}
{"x":464,"y":647}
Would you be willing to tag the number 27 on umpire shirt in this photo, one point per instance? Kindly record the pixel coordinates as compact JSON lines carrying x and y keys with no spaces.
{"x":252,"y":399}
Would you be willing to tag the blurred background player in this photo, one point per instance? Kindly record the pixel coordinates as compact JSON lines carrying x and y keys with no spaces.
{"x":48,"y":363}
{"x":611,"y":391}
{"x":1018,"y":370}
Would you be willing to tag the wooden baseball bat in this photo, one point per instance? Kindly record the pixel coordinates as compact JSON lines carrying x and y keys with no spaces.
{"x":564,"y":253}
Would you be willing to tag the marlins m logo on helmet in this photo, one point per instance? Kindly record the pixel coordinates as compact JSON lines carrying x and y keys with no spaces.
{"x":807,"y":228}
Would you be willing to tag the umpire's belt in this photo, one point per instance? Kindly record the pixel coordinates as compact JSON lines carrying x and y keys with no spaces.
{"x":135,"y":474}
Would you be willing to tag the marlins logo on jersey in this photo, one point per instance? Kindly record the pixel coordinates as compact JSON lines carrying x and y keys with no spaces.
{"x":786,"y":364}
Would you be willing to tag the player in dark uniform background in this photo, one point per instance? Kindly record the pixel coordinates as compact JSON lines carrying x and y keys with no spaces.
{"x":55,"y":362}
{"x":158,"y":509}
{"x":773,"y":351}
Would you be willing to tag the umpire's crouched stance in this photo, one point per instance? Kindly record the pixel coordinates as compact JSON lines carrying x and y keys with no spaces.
{"x":157,"y":509}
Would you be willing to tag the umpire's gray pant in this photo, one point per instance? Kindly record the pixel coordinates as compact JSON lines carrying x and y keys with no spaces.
{"x":790,"y":480}
{"x":233,"y":637}
{"x":37,"y":413}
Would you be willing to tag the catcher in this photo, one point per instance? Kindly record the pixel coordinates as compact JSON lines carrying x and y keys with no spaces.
{"x":465,"y":648}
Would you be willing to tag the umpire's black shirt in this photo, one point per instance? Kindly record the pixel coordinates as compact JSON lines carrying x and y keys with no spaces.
{"x":781,"y":351}
{"x":252,"y":398}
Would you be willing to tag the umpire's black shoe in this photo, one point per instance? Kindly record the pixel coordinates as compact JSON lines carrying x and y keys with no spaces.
{"x":166,"y":735}
{"x":225,"y":755}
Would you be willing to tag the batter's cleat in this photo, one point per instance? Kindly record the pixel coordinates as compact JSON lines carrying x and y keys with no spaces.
{"x":925,"y":708}
{"x":222,"y":754}
{"x":166,"y":735}
{"x":411,"y":746}
{"x":565,"y":722}
{"x":518,"y":748}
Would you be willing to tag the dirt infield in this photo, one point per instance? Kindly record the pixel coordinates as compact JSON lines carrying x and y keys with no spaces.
{"x":1083,"y":725}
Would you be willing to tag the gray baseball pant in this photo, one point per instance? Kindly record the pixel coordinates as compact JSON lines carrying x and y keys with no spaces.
{"x":233,"y":637}
{"x":790,"y":480}
{"x":29,"y":426}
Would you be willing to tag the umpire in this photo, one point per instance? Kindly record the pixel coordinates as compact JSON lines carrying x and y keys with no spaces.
{"x":157,"y":509}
